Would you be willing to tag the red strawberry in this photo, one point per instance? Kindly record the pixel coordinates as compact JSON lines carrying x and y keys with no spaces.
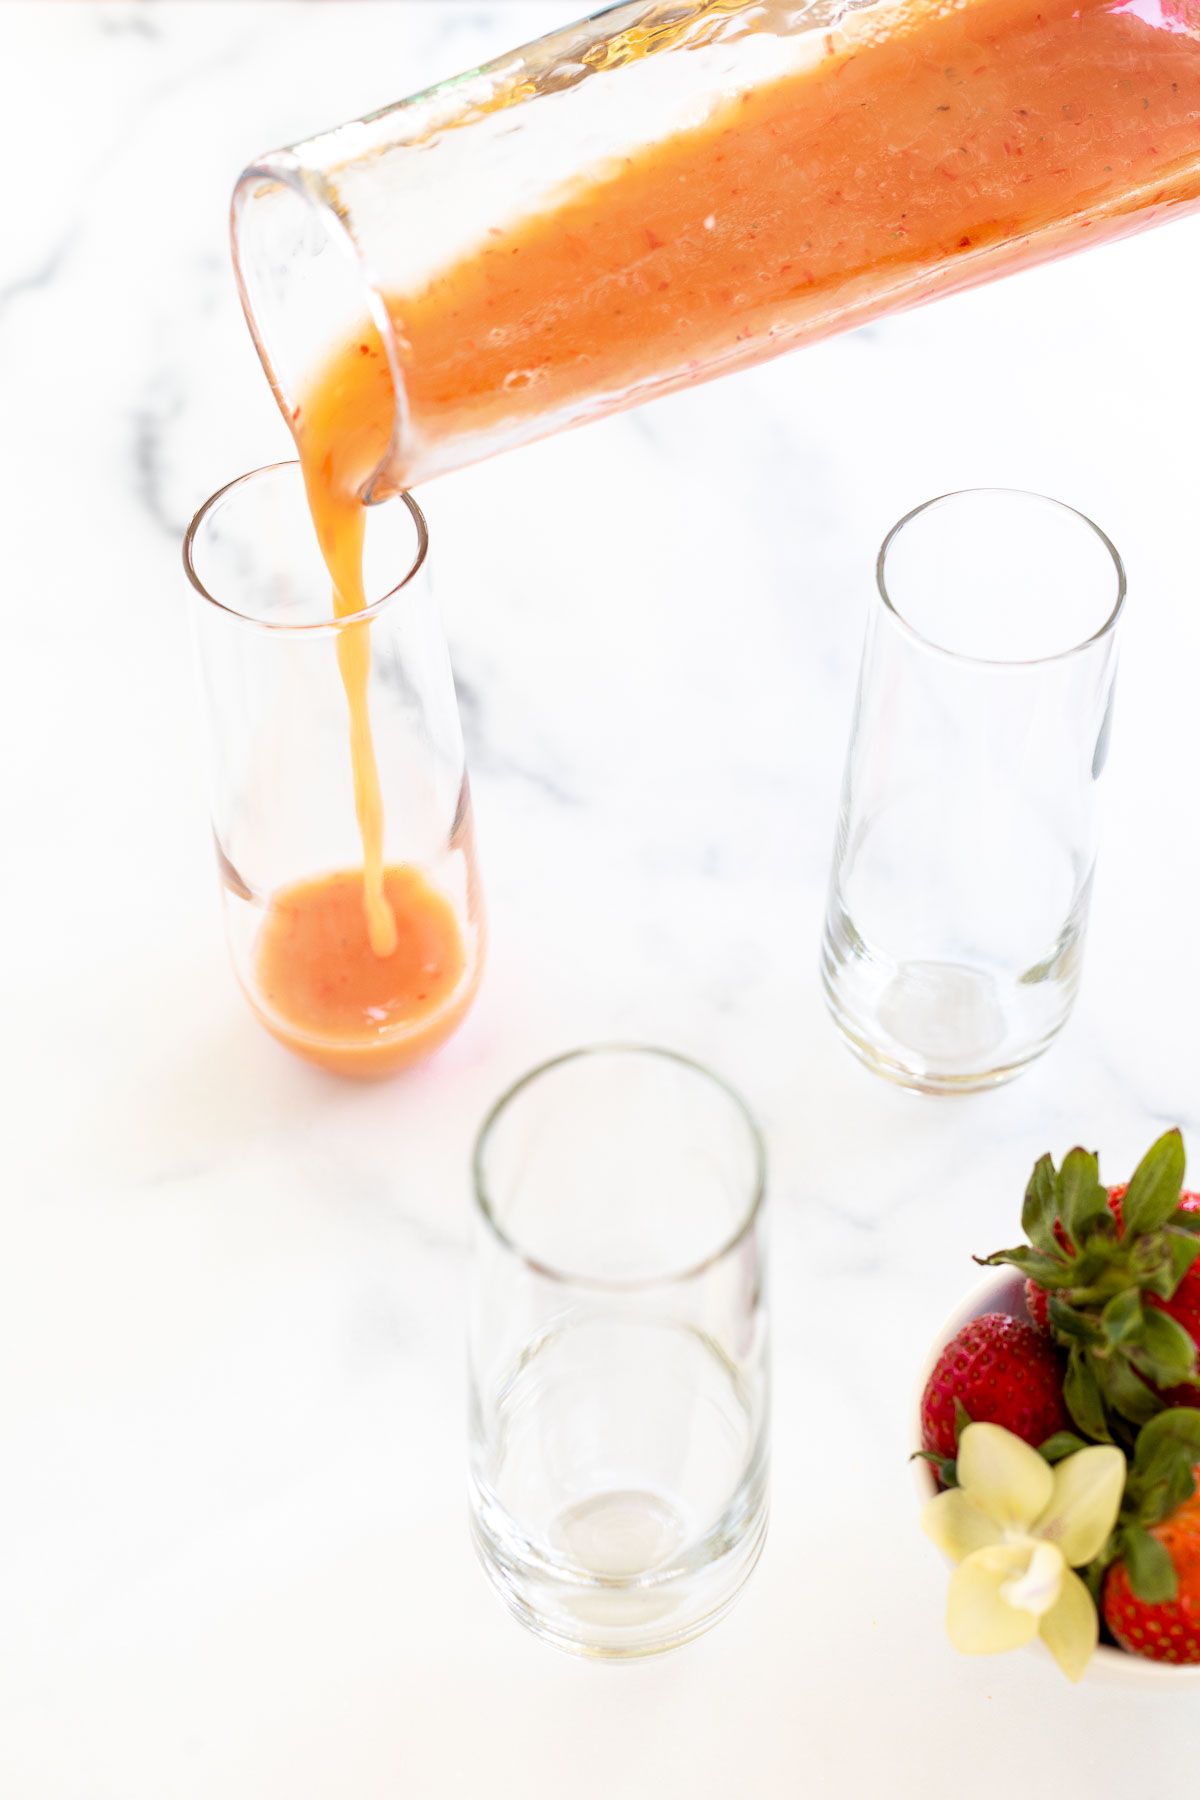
{"x":1170,"y":1630}
{"x":1037,"y":1305}
{"x":1183,"y":1306}
{"x":1002,"y":1372}
{"x":1123,"y":1267}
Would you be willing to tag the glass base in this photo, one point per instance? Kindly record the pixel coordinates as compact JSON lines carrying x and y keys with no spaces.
{"x":936,"y":1027}
{"x":616,"y":1579}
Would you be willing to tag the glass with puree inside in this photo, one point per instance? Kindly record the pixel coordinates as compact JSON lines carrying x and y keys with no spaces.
{"x":340,"y":803}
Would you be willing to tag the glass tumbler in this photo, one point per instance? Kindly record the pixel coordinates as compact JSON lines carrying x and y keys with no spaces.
{"x":618,"y":1350}
{"x":276,"y":667}
{"x":966,"y":843}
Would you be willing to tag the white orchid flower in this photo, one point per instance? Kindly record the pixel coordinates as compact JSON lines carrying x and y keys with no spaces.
{"x":1017,"y":1528}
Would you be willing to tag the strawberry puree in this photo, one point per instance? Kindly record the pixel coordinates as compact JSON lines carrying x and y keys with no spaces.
{"x":324,"y":992}
{"x":930,"y":147}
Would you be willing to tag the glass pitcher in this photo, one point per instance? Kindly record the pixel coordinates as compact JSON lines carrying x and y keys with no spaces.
{"x":677,"y":188}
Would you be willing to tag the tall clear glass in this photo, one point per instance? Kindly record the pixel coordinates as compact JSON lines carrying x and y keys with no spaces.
{"x":676,"y":188}
{"x":290,"y":849}
{"x":618,"y":1350}
{"x":966,"y":842}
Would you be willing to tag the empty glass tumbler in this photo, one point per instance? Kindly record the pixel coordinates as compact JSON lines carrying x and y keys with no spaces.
{"x":966,"y":842}
{"x":618,"y":1350}
{"x":340,"y":806}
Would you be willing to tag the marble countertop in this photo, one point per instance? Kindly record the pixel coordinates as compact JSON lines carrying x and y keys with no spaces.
{"x":233,"y":1552}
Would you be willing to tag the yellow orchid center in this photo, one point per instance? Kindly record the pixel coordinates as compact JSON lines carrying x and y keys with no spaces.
{"x":1016,"y":1528}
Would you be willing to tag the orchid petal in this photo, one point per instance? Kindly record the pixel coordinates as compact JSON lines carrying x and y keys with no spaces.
{"x":1003,"y":1475}
{"x":1083,"y":1507}
{"x":978,"y":1617}
{"x":1071,"y":1630}
{"x":957,"y":1525}
{"x":1037,"y":1589}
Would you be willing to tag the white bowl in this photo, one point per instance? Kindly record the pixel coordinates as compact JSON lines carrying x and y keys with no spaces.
{"x":1004,"y":1292}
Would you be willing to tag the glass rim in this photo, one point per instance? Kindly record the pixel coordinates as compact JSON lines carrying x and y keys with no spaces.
{"x":1102,"y":631}
{"x":290,"y":627}
{"x":608,"y":1284}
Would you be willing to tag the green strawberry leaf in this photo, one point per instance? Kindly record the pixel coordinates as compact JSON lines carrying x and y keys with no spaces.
{"x":943,"y":1464}
{"x":1168,"y":1343}
{"x":1063,"y":1443}
{"x":1156,"y":1184}
{"x":1179,"y":1425}
{"x":1160,"y":1491}
{"x":1067,"y":1323}
{"x":1081,"y":1391}
{"x":1047,"y":1271}
{"x":1182,"y":1251}
{"x":1041,"y":1206}
{"x":1158,"y":1373}
{"x":1151,"y":1265}
{"x":1122,"y":1317}
{"x":1097,"y":1272}
{"x":1162,"y":1475}
{"x":1124,"y":1392}
{"x":962,"y":1418}
{"x":1084,"y":1201}
{"x":1149,"y":1566}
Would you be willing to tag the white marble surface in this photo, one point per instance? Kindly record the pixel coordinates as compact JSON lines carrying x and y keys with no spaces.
{"x":232,"y":1548}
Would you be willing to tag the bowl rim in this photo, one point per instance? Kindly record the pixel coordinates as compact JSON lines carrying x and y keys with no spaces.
{"x":1004,"y":1291}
